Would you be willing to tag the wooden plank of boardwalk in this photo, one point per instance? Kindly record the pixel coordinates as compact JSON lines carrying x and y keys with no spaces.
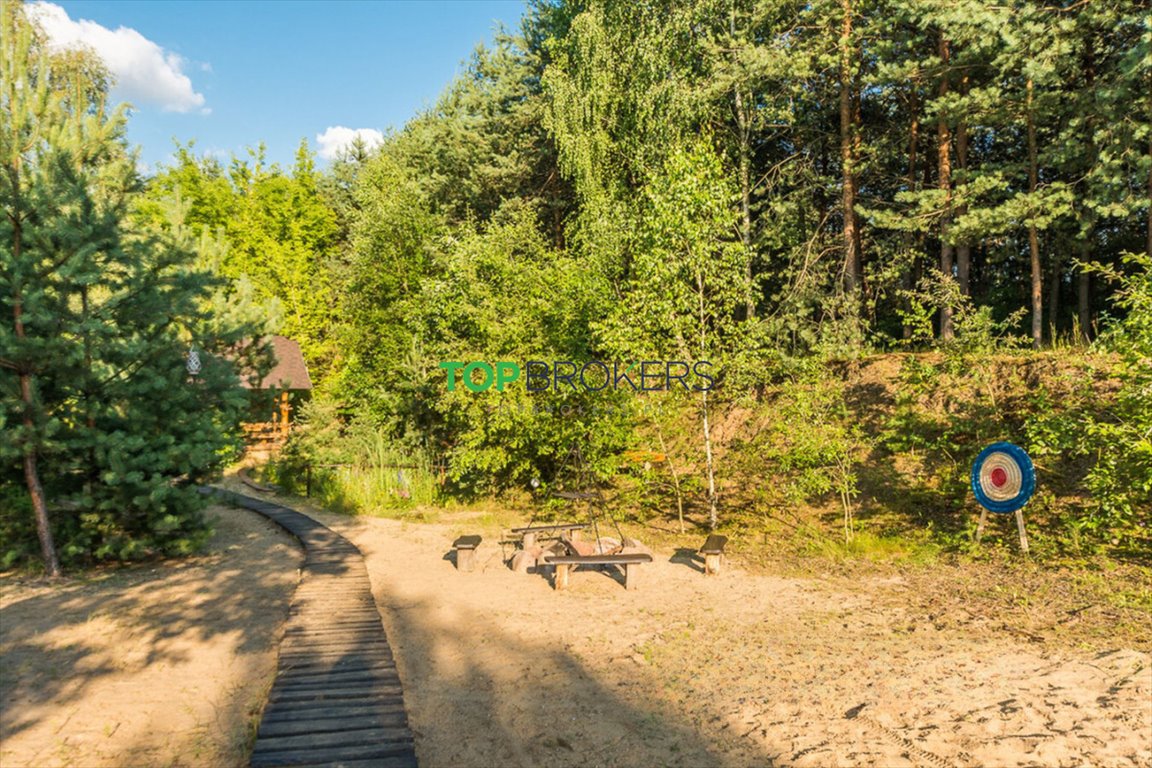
{"x":337,"y":698}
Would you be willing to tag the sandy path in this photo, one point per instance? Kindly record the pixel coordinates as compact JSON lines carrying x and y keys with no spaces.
{"x":738,"y":670}
{"x":151,"y":665}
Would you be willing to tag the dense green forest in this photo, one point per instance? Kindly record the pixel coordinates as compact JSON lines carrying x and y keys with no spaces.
{"x":947,"y":202}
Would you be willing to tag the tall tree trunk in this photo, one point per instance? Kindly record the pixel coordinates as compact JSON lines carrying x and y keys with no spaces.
{"x":852,"y":270}
{"x":910,"y":275}
{"x":713,"y":517}
{"x":1150,"y":198}
{"x":744,"y":149}
{"x":944,"y":161}
{"x":90,"y":391}
{"x":857,"y":144}
{"x":1033,"y":237}
{"x":1084,"y":293}
{"x":1054,"y":291}
{"x":32,"y":480}
{"x":963,"y":248}
{"x":31,"y":464}
{"x":1088,"y":229}
{"x":821,"y":201}
{"x":28,"y":400}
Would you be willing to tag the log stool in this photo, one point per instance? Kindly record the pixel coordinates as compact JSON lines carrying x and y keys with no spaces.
{"x":713,"y":551}
{"x":465,"y":547}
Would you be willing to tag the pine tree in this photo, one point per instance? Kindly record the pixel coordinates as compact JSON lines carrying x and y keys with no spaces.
{"x":45,"y":155}
{"x":111,"y":430}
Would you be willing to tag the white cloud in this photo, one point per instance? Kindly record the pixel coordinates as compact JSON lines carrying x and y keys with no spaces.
{"x":338,"y":138}
{"x":144,"y":72}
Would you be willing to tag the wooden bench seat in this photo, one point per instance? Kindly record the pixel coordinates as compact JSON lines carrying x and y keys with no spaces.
{"x":713,"y":551}
{"x":465,"y":547}
{"x":565,"y":563}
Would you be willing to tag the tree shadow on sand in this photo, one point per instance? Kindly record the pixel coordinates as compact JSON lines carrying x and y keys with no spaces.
{"x":509,"y":701}
{"x":55,"y":643}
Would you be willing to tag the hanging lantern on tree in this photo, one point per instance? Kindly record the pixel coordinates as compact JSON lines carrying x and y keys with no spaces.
{"x":193,"y":363}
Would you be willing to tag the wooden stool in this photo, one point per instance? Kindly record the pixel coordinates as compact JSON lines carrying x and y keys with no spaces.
{"x":713,"y":551}
{"x":465,"y":547}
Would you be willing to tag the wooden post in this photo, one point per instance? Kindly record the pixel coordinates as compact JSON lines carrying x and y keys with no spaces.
{"x":529,"y":539}
{"x":712,"y":564}
{"x":562,"y":575}
{"x":980,"y":526}
{"x":1020,"y":527}
{"x":285,"y":408}
{"x":631,"y":575}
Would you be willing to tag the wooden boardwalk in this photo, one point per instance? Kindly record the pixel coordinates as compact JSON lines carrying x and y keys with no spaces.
{"x":337,"y":699}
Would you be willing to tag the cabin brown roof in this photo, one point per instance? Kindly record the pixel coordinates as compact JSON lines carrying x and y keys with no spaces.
{"x":290,"y":371}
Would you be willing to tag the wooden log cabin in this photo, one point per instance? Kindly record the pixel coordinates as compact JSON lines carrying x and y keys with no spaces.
{"x":279,"y":394}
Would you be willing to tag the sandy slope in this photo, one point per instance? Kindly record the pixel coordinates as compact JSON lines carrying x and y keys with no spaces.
{"x":738,"y":670}
{"x":150,"y":665}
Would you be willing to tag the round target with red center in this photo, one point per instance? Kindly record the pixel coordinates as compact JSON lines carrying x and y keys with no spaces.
{"x":1003,"y":478}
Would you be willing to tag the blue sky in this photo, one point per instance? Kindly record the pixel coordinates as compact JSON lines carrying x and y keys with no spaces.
{"x":232,"y":74}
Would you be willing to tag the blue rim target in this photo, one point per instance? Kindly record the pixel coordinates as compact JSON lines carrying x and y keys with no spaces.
{"x":1003,"y":478}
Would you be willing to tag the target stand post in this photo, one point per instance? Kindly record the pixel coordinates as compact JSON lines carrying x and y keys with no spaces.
{"x":1003,"y":480}
{"x":1020,"y":527}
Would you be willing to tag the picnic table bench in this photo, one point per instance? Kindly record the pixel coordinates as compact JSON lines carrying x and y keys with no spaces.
{"x":713,"y":550}
{"x":565,"y":563}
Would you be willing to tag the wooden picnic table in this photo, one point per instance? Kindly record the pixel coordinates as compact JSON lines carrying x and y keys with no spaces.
{"x":530,"y":533}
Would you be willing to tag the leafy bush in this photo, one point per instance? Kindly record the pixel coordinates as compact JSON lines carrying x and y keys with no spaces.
{"x":975,"y":329}
{"x":17,"y":526}
{"x":813,"y":463}
{"x":1121,"y":478}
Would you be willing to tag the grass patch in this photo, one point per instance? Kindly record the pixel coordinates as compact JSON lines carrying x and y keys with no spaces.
{"x":912,"y":550}
{"x":373,"y":477}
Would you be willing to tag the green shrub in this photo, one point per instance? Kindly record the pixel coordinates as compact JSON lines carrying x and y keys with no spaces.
{"x":1120,"y":480}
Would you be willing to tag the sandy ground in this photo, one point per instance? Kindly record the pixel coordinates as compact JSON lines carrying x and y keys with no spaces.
{"x":169,"y":665}
{"x":742,"y":670}
{"x":153,"y":665}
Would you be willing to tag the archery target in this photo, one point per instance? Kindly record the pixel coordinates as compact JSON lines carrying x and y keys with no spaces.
{"x":1003,"y":478}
